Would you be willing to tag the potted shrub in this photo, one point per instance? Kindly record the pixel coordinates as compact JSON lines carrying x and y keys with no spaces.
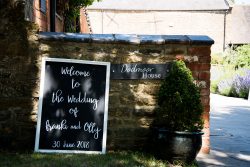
{"x":178,"y":122}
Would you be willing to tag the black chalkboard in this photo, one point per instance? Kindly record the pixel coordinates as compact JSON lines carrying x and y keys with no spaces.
{"x":73,"y":106}
{"x":139,"y":71}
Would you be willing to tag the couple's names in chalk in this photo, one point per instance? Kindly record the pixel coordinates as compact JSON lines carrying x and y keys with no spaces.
{"x":89,"y":127}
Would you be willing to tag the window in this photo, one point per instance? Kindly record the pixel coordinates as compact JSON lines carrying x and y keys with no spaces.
{"x":43,"y":6}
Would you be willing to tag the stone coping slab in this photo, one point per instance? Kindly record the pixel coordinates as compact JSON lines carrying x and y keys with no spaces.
{"x":126,"y":38}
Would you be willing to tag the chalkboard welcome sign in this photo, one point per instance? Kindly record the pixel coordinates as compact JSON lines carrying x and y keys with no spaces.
{"x":73,"y":106}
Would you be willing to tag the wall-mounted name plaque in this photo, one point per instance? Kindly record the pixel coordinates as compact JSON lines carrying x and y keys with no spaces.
{"x":139,"y":71}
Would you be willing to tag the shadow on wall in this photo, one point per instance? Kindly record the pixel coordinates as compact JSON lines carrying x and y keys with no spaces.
{"x":18,"y":73}
{"x":131,"y":102}
{"x":131,"y":112}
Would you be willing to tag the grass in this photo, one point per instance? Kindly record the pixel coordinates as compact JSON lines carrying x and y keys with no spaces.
{"x":114,"y":159}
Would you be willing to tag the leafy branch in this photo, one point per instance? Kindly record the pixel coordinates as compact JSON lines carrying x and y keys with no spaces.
{"x":71,"y":12}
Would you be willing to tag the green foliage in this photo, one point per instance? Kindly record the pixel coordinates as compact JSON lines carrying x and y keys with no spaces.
{"x":217,"y":58}
{"x":234,"y":83}
{"x":235,"y":73}
{"x":214,"y":86}
{"x":243,"y":56}
{"x":223,"y":84}
{"x":235,"y":58}
{"x":72,"y":13}
{"x":180,"y":108}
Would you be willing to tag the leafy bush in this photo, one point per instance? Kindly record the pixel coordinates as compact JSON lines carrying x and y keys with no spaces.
{"x":225,"y":87}
{"x":243,"y":57}
{"x":241,"y":85}
{"x":180,"y":108}
{"x":236,"y":84}
{"x":223,"y":82}
{"x":217,"y":58}
{"x":235,"y":58}
{"x":236,"y":81}
{"x":214,"y":86}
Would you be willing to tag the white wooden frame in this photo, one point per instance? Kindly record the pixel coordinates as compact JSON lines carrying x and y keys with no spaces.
{"x":44,"y":60}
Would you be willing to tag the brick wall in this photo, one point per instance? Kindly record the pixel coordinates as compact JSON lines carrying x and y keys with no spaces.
{"x":42,"y":19}
{"x":84,"y":27}
{"x":201,"y":72}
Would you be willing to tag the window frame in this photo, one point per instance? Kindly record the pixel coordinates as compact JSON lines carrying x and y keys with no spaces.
{"x":43,"y":5}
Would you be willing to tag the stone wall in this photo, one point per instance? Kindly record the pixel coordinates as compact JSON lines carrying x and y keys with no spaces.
{"x":131,"y":102}
{"x":18,"y":73}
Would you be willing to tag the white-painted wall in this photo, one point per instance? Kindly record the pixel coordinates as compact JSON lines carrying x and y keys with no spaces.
{"x":160,"y":22}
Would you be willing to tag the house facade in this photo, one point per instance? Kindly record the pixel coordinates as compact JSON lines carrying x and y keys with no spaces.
{"x":228,"y":24}
{"x":168,"y":17}
{"x":238,"y":25}
{"x":46,"y":14}
{"x":215,"y":18}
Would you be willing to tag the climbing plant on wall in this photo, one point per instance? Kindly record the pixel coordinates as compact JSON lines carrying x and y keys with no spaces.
{"x":71,"y":12}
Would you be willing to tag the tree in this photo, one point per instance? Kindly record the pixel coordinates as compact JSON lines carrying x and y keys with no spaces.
{"x":71,"y":13}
